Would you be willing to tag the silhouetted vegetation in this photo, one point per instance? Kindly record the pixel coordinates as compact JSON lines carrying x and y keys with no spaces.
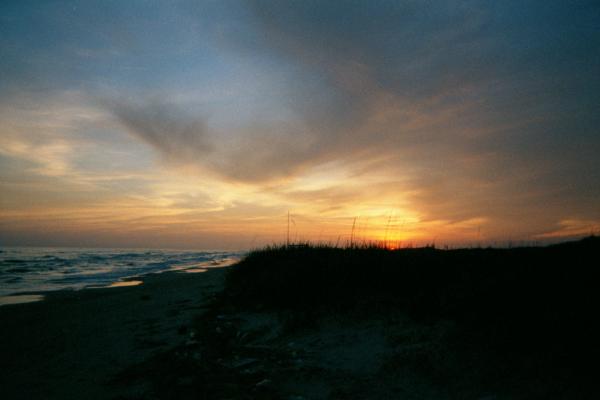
{"x":456,"y":324}
{"x":524,"y":317}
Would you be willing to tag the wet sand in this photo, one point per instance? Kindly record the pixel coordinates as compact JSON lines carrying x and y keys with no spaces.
{"x":72,"y":344}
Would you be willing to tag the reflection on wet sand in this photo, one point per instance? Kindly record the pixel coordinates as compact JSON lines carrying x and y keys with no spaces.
{"x":195,"y":270}
{"x":205,"y":266}
{"x":124,"y":284}
{"x":23,"y":298}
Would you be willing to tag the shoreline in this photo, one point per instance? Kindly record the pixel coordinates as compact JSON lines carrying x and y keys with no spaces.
{"x":30,"y":296}
{"x":71,"y":344}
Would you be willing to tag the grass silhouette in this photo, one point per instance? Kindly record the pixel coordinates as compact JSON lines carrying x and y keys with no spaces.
{"x":517,"y":323}
{"x":523,"y":316}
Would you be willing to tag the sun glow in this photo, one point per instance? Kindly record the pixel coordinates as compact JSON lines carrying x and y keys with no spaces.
{"x":209,"y":140}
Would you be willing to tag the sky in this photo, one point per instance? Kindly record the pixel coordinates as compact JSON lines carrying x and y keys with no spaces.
{"x":202,"y":124}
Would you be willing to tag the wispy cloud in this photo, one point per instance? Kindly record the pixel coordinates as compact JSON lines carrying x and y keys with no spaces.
{"x":178,"y":137}
{"x":572,"y":228}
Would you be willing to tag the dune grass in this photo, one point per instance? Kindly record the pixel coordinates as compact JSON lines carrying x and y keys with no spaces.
{"x":514,"y":323}
{"x":466,"y":284}
{"x":522,"y":313}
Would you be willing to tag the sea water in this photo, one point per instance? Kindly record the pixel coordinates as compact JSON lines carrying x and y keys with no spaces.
{"x":26,"y":270}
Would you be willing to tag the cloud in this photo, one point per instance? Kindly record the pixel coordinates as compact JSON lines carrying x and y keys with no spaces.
{"x":456,"y":112}
{"x":471,"y":103}
{"x":178,"y":137}
{"x":572,"y":228}
{"x":257,"y":152}
{"x":51,"y":159}
{"x":422,"y":99}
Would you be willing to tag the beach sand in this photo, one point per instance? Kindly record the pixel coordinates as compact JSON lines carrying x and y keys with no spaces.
{"x":72,"y":344}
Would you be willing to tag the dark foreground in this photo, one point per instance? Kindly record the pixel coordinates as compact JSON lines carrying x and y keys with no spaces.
{"x":72,"y":345}
{"x":324,"y":323}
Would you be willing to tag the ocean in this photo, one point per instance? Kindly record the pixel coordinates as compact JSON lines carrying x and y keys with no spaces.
{"x":27,"y":269}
